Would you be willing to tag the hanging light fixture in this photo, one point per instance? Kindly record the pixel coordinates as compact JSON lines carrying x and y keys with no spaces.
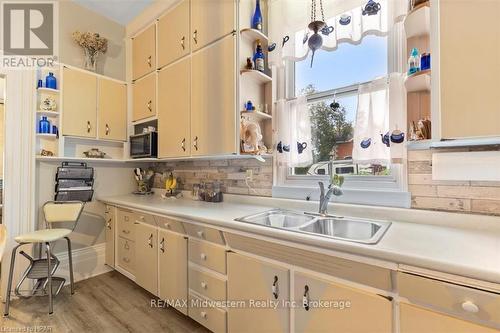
{"x":316,"y":41}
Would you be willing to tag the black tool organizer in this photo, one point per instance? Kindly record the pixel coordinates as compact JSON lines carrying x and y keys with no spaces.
{"x":74,"y":181}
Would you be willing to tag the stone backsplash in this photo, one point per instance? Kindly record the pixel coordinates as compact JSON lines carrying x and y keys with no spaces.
{"x":231,"y":173}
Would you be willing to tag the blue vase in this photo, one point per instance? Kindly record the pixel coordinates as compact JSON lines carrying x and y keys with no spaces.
{"x":257,"y":17}
{"x":44,"y":126}
{"x":50,"y":81}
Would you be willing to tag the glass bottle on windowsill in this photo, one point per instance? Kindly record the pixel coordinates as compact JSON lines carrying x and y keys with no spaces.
{"x":257,"y":17}
{"x":258,"y":58}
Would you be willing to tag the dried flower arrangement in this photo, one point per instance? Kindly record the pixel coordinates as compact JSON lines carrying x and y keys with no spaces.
{"x":93,"y":45}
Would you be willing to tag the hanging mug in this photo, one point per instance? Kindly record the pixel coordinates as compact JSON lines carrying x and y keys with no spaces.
{"x":301,"y":146}
{"x":271,"y":47}
{"x":327,"y":30}
{"x":397,"y":136}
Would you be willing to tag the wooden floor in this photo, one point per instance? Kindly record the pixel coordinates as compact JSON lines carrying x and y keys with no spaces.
{"x":106,"y":303}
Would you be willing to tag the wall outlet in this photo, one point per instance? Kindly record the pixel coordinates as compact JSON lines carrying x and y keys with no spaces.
{"x":249,"y":175}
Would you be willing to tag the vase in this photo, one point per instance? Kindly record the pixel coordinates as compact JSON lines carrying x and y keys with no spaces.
{"x":90,"y":60}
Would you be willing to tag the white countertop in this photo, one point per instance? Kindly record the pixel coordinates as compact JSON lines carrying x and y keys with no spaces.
{"x":468,"y":252}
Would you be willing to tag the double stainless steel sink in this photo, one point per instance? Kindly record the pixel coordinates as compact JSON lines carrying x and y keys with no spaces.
{"x":343,"y":228}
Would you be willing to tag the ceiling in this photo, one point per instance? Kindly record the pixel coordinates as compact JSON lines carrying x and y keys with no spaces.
{"x":121,"y":11}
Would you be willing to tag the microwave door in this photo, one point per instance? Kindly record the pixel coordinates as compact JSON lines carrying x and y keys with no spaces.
{"x":140,"y":146}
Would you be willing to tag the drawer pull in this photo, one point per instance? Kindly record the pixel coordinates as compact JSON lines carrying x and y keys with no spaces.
{"x":126,"y":246}
{"x":203,"y":314}
{"x":470,"y":307}
{"x":149,"y":106}
{"x":275,"y":287}
{"x":195,"y":36}
{"x":108,"y":224}
{"x":183,"y":39}
{"x":166,"y":225}
{"x":89,"y":127}
{"x":127,"y":260}
{"x":150,"y":241}
{"x":204,"y":285}
{"x":162,"y":245}
{"x":195,"y":144}
{"x":203,"y":256}
{"x":107,"y":129}
{"x":200,"y":234}
{"x":305,"y":298}
{"x":141,"y":218}
{"x":183,"y":144}
{"x":149,"y":61}
{"x":126,"y":231}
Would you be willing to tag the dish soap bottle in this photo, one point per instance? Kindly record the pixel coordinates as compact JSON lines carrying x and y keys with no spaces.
{"x":44,"y":126}
{"x":258,"y":58}
{"x":257,"y":17}
{"x":50,"y":81}
{"x":413,"y":62}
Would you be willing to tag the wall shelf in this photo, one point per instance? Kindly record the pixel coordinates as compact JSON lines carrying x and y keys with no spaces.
{"x":418,"y":145}
{"x":418,"y":21}
{"x":48,"y":136}
{"x":420,"y":81}
{"x":472,"y":142}
{"x":256,"y":115}
{"x":48,"y":90}
{"x":256,"y":75}
{"x":253,"y":35}
{"x":47,"y":113}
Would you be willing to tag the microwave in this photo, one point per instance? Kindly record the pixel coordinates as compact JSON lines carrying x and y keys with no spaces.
{"x":144,"y":145}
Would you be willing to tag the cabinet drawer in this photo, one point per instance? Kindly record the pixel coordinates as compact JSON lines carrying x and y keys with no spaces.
{"x":467,"y":303}
{"x":207,"y":255}
{"x":207,"y":284}
{"x":169,"y":224}
{"x":126,"y":254}
{"x":126,"y":221}
{"x":212,"y":318}
{"x":205,"y":233}
{"x":145,"y":218}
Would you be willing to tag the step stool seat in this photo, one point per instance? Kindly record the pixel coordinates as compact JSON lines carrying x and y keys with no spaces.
{"x":43,"y":236}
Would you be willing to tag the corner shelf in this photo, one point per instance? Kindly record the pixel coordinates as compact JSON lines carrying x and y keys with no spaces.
{"x":48,"y":90}
{"x":418,"y":21}
{"x":419,"y":144}
{"x":48,"y":136}
{"x":420,"y":81}
{"x":253,"y":35}
{"x":256,"y":75}
{"x":47,"y":113}
{"x":257,"y":115}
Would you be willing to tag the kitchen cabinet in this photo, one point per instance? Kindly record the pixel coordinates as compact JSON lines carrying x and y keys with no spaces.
{"x":469,"y":103}
{"x":144,"y":95}
{"x":327,"y":307}
{"x":112,"y":110}
{"x":213,"y":93}
{"x":174,"y":110}
{"x":109,"y":218}
{"x":173,"y":34}
{"x":211,"y":20}
{"x":144,"y":52}
{"x":173,"y":270}
{"x":146,"y":253}
{"x":79,"y":103}
{"x":251,"y":279}
{"x":416,"y":320}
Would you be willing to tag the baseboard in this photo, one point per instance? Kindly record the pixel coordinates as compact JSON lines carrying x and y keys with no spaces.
{"x":87,"y":262}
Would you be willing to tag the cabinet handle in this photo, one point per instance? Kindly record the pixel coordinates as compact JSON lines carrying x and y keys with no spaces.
{"x":204,"y":285}
{"x":203,"y":314}
{"x":149,"y":105}
{"x":305,"y":298}
{"x":108,"y":224}
{"x":470,"y":307}
{"x":162,"y":245}
{"x":89,"y":127}
{"x":195,"y":36}
{"x":126,"y":246}
{"x":150,"y":241}
{"x":195,"y":144}
{"x":127,"y":260}
{"x":183,"y":39}
{"x":275,"y":288}
{"x":203,"y":256}
{"x":183,"y":144}
{"x":200,"y":234}
{"x":166,"y":225}
{"x":149,"y":61}
{"x":126,"y":232}
{"x":107,"y":129}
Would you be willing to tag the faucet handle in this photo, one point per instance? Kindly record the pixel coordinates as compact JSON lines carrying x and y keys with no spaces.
{"x":322,"y":190}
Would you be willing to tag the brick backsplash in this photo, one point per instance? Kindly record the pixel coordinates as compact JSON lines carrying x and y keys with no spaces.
{"x":457,"y":196}
{"x":231,"y":173}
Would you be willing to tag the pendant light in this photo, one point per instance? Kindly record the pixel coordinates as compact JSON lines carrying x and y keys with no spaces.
{"x":316,"y":41}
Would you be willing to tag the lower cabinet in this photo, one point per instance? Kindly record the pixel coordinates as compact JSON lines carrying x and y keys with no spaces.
{"x":173,"y":283}
{"x":146,"y":254}
{"x":110,"y":223}
{"x":322,"y":306}
{"x":417,"y":320}
{"x":262,"y":286}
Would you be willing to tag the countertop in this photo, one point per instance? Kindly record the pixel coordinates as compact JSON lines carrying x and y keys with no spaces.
{"x":466,"y":252}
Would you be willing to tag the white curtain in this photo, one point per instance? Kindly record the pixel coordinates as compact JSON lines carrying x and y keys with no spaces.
{"x":291,"y":18}
{"x":294,"y":147}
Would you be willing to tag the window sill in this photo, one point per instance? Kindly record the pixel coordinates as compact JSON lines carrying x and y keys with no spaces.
{"x":388,"y":198}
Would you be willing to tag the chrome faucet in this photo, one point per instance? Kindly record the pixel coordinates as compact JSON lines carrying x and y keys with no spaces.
{"x":324,"y":199}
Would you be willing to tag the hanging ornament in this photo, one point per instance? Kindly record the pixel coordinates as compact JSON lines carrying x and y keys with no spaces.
{"x":371,"y":8}
{"x":316,"y":41}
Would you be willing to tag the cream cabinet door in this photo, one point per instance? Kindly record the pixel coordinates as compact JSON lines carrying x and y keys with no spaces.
{"x":417,"y":320}
{"x":174,"y":110}
{"x":173,"y":269}
{"x":326,"y":307}
{"x":79,"y":103}
{"x":110,"y":223}
{"x":144,"y":96}
{"x":112,"y":110}
{"x":173,"y":34}
{"x":144,"y":52}
{"x":470,"y":106}
{"x":213,"y":108}
{"x":146,"y":254}
{"x":211,"y":20}
{"x":252,"y":280}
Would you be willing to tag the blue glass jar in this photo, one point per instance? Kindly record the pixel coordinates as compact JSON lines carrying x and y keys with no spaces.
{"x":425,"y":61}
{"x":257,"y":17}
{"x":50,"y":81}
{"x":44,"y":126}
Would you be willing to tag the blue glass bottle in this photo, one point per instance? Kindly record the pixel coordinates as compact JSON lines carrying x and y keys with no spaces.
{"x":257,"y":17}
{"x":44,"y":126}
{"x":258,"y":58}
{"x":50,"y":81}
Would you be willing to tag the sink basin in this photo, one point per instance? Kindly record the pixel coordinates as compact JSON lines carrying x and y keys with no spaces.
{"x":355,"y":230}
{"x":278,"y":218}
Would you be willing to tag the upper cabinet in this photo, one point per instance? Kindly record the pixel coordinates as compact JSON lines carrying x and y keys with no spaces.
{"x":144,"y":52}
{"x":112,"y":110}
{"x":144,"y":95}
{"x":173,"y":34}
{"x":79,"y":103}
{"x":469,"y":103}
{"x":211,"y":20}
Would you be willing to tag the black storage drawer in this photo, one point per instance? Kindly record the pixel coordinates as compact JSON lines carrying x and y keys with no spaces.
{"x":74,"y":170}
{"x":69,"y":183}
{"x":85,"y":195}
